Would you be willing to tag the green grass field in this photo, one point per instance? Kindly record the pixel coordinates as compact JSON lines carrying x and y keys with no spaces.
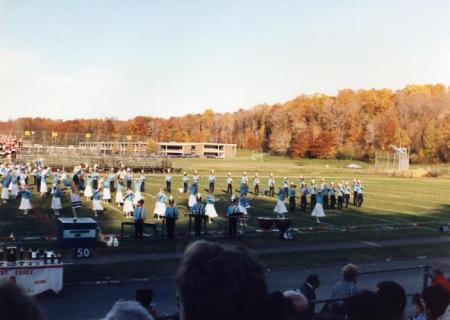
{"x":393,"y":207}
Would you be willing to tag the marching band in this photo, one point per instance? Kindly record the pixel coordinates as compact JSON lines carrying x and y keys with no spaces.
{"x":95,"y":186}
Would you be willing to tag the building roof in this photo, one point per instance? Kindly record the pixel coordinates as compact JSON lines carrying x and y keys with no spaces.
{"x":172,"y":143}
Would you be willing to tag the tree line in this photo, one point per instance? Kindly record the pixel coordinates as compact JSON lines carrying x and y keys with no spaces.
{"x":353,"y":124}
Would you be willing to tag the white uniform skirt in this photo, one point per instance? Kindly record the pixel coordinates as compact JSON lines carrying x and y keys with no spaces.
{"x":76,"y":200}
{"x":192,"y":201}
{"x":5,"y":193}
{"x":15,"y":190}
{"x":106,"y":194}
{"x":318,"y":211}
{"x":44,"y":187}
{"x":56,"y":203}
{"x":137,"y":197}
{"x":160,"y":209}
{"x":119,"y":197}
{"x":97,"y":205}
{"x":128,"y":206}
{"x":243,"y":210}
{"x":88,"y":191}
{"x":25,"y":204}
{"x":210,"y":211}
{"x":280,"y":207}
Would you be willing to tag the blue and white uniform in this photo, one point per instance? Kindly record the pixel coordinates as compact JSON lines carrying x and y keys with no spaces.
{"x":280,"y":207}
{"x":88,"y":192}
{"x":243,"y":204}
{"x":185,"y":183}
{"x":211,"y":180}
{"x":318,"y":208}
{"x":106,"y":188}
{"x":168,"y":180}
{"x":56,"y":198}
{"x":119,"y":194}
{"x":14,"y":187}
{"x":160,"y":205}
{"x":25,"y":201}
{"x":5,"y":184}
{"x":44,"y":188}
{"x":74,"y":196}
{"x":128,"y":203}
{"x":96,"y":203}
{"x":192,"y":197}
{"x":137,"y":192}
{"x":195,"y":179}
{"x":210,"y":210}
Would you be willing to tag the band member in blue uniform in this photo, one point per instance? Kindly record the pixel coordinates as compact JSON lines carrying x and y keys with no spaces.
{"x":303,"y":197}
{"x":5,"y":184}
{"x":232,"y":214}
{"x":198,"y":210}
{"x":128,"y":203}
{"x":244,"y":183}
{"x":44,"y":188}
{"x":95,"y":179}
{"x":195,"y":178}
{"x":340,"y":193}
{"x":119,"y":193}
{"x":185,"y":182}
{"x":243,"y":188}
{"x":171,"y":216}
{"x":142,"y":181}
{"x":88,"y":191}
{"x":324,"y":192}
{"x":280,"y":207}
{"x":75,"y":186}
{"x":256,"y":182}
{"x":355,"y":191}
{"x":160,"y":205}
{"x":168,"y":180}
{"x":193,"y":195}
{"x":332,"y":196}
{"x":37,"y":179}
{"x":313,"y":192}
{"x":211,"y":180}
{"x":291,"y":193}
{"x":25,"y":201}
{"x":271,"y":185}
{"x":96,"y":202}
{"x":139,"y":215}
{"x":56,"y":198}
{"x":359,"y":193}
{"x":346,"y":194}
{"x":112,"y":179}
{"x":129,"y":178}
{"x":318,"y":211}
{"x":286,"y":187}
{"x":229,"y":183}
{"x":302,"y":181}
{"x":210,"y":210}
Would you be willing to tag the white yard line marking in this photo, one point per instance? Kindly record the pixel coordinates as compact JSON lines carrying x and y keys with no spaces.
{"x":372,"y":244}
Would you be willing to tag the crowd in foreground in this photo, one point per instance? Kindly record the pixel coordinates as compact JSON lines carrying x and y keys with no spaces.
{"x":218,"y":282}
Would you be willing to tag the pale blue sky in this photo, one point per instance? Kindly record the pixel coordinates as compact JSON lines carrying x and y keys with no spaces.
{"x":92,"y":58}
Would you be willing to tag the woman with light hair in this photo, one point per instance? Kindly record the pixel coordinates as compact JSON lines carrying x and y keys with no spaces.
{"x":347,"y":285}
{"x":128,"y":310}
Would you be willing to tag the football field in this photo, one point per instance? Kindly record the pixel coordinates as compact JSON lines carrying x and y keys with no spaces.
{"x":393,"y":207}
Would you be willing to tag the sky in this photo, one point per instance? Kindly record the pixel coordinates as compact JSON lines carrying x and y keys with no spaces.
{"x":116,"y":58}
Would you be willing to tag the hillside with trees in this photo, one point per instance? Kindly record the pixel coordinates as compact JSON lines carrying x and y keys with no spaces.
{"x":352,"y":124}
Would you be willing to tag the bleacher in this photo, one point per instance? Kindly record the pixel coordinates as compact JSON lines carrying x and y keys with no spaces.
{"x":9,"y":146}
{"x":68,"y":157}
